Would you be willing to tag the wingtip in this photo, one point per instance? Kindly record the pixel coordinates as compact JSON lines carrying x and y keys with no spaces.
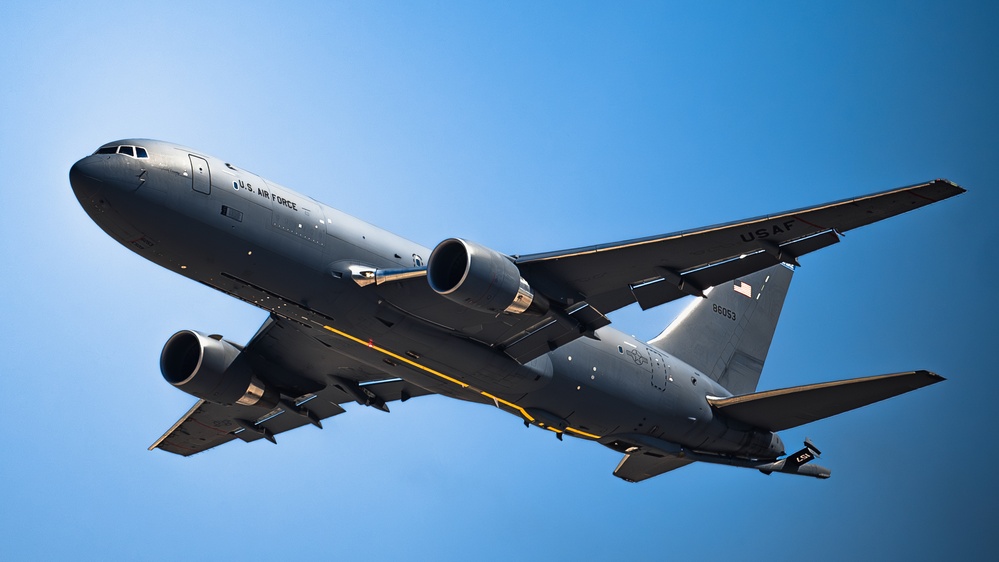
{"x":933,"y":377}
{"x":958,"y":189}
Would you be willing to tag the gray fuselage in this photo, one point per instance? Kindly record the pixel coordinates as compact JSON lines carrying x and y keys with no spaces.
{"x":295,"y":257}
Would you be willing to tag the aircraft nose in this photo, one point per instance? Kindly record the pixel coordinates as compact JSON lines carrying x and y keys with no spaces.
{"x":101,"y":173}
{"x":85,"y":177}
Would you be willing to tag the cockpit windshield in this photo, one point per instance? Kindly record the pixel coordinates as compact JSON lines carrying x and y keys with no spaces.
{"x":128,"y":150}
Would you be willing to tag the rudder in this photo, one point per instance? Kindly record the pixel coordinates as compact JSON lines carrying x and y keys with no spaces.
{"x":727,"y":334}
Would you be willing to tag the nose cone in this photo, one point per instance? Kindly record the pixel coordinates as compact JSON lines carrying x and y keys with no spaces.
{"x":86,"y":177}
{"x":105,"y":185}
{"x":105,"y":175}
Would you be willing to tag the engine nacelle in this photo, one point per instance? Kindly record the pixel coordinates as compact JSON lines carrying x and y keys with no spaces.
{"x":482,"y":279}
{"x":212,"y":369}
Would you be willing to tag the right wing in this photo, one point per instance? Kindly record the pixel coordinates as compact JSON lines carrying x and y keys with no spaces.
{"x":658,"y":269}
{"x":585,"y":284}
{"x":593,"y":281}
{"x":281,"y":352}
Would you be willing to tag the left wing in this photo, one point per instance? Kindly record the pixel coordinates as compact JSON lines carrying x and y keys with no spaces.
{"x":318,"y":379}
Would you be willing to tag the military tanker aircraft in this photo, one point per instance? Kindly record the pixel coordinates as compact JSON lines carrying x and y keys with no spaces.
{"x":358,"y":314}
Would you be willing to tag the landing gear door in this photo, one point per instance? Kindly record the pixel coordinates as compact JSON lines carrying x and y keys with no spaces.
{"x":201,"y":179}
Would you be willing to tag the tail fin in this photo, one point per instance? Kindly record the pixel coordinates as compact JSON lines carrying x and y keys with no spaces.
{"x":727,"y":335}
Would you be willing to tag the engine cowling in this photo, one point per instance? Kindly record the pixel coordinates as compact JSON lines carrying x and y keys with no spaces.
{"x":212,"y":369}
{"x":481,"y":279}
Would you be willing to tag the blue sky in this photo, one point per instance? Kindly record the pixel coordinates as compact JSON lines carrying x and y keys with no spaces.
{"x":526,"y":126}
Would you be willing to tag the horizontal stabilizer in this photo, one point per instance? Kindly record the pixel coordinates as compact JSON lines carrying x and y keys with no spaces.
{"x":647,"y":456}
{"x":776,"y":410}
{"x":641,"y":465}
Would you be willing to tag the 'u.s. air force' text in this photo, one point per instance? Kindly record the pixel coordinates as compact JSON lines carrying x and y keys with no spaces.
{"x":239,"y":185}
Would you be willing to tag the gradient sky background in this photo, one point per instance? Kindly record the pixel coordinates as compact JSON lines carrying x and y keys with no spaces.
{"x":526,"y":126}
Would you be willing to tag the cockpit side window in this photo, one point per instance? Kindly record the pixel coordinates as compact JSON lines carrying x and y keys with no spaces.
{"x":128,"y":150}
{"x":141,"y":152}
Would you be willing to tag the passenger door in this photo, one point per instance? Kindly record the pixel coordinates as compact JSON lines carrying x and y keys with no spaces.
{"x":201,"y":179}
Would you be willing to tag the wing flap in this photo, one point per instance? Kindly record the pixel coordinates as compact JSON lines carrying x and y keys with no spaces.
{"x":559,"y":330}
{"x":776,"y":410}
{"x":208,"y":425}
{"x":672,"y":285}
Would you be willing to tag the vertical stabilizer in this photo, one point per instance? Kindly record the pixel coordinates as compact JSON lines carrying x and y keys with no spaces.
{"x":727,"y":335}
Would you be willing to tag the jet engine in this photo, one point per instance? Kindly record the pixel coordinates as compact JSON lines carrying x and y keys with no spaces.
{"x":212,"y":369}
{"x":481,"y":279}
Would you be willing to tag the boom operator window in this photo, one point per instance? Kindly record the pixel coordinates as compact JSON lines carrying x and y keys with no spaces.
{"x":128,"y":150}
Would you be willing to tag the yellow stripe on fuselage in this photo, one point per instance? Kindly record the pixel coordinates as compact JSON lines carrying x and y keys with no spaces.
{"x":440,"y":375}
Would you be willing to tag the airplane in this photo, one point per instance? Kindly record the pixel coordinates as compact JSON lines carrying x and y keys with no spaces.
{"x":358,"y":314}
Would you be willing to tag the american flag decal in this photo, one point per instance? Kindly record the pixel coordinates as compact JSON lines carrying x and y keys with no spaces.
{"x":743,"y":289}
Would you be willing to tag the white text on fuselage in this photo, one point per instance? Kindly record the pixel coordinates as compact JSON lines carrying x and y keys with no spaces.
{"x":240,"y":186}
